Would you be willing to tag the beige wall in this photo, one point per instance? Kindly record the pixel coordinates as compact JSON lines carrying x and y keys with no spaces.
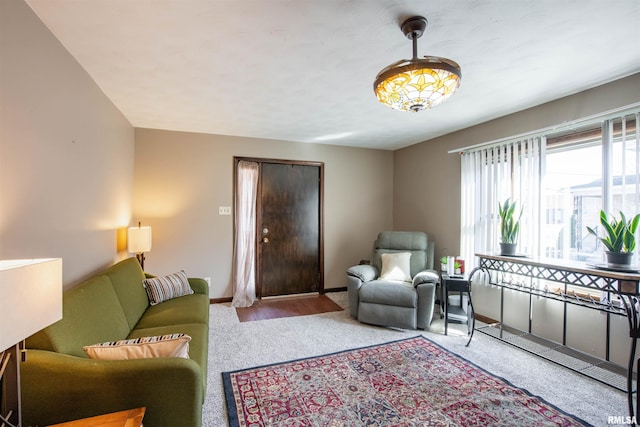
{"x":66,"y":153}
{"x":427,"y":178}
{"x":182,"y":178}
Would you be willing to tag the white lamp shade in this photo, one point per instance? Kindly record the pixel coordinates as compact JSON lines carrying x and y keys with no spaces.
{"x":139,"y":239}
{"x":30,"y":297}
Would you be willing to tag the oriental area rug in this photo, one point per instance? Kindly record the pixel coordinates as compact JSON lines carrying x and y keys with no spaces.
{"x":411,"y":382}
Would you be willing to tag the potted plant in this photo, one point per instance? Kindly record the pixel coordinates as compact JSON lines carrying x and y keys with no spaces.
{"x":443,"y":263}
{"x":619,"y":239}
{"x":509,"y":227}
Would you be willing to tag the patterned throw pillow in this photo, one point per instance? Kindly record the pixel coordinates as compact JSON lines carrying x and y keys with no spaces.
{"x":164,"y":288}
{"x":175,"y":345}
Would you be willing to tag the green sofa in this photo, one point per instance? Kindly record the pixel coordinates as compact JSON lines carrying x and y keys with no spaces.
{"x":60,"y":383}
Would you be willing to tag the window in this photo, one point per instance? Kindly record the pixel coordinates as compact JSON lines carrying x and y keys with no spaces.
{"x":578,"y":183}
{"x":572,"y":190}
{"x":563,"y":184}
{"x":626,"y":166}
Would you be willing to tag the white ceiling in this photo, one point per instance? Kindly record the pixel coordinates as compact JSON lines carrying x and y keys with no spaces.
{"x":303,"y":70}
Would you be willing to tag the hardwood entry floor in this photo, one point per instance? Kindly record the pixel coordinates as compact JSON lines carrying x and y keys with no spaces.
{"x":287,"y":307}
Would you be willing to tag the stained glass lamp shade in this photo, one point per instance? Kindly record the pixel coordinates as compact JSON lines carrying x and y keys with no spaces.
{"x":419,"y":83}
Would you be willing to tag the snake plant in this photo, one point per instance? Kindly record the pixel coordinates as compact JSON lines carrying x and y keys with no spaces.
{"x":620,"y":235}
{"x":509,"y":225}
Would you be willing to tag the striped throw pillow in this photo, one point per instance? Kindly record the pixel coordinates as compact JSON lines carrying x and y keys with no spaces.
{"x":175,"y":345}
{"x":164,"y":288}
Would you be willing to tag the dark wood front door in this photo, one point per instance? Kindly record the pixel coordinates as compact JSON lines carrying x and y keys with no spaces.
{"x":289,"y":229}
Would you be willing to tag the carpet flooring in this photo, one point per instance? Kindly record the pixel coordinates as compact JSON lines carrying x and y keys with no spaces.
{"x":238,"y":345}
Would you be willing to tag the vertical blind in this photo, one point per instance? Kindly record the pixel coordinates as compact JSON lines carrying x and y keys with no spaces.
{"x":492,"y":175}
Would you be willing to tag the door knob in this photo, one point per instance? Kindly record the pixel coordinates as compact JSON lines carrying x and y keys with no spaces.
{"x":265,"y":240}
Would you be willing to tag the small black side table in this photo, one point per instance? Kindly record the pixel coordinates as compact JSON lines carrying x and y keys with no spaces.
{"x":461,"y":284}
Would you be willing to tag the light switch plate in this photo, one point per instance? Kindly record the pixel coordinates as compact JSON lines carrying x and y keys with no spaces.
{"x":224,"y":210}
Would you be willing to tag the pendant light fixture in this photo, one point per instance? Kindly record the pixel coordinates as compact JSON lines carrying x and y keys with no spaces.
{"x":419,"y":83}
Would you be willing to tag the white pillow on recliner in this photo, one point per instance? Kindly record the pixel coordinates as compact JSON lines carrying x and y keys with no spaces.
{"x":396,"y":267}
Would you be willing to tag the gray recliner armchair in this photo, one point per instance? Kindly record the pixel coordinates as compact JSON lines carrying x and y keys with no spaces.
{"x":393,"y":300}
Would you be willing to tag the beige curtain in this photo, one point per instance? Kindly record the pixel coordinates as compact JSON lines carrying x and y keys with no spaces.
{"x":244,"y":253}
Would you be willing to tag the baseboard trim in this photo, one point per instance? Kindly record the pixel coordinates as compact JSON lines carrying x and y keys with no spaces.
{"x":342,"y":289}
{"x":484,"y":319}
{"x":324,"y":291}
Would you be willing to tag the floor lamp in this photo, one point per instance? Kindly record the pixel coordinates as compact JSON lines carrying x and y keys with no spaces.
{"x":30,"y":300}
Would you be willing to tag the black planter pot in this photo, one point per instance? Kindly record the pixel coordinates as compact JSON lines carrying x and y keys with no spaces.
{"x":618,"y":259}
{"x":508,"y":248}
